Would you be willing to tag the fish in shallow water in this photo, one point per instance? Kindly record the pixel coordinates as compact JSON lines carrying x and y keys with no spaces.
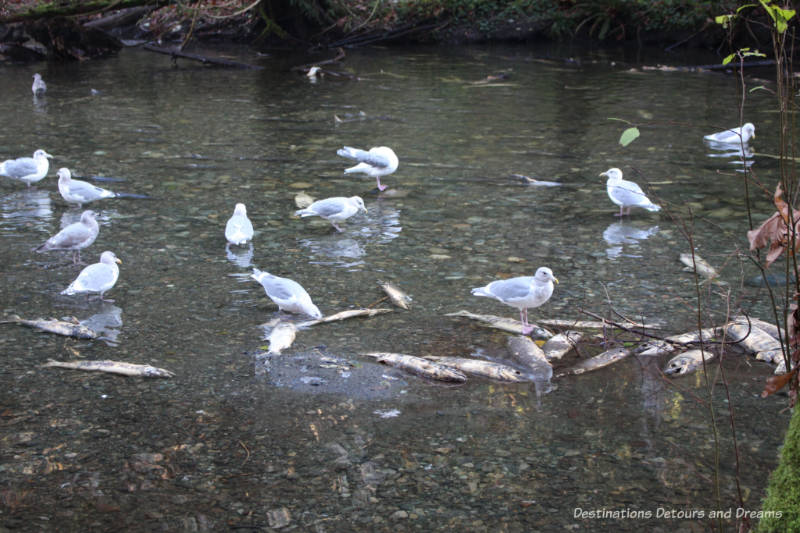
{"x":702,"y":266}
{"x":558,"y":346}
{"x":687,"y":362}
{"x":526,"y":352}
{"x":598,"y":361}
{"x":59,"y":327}
{"x":281,"y":337}
{"x":113,"y":367}
{"x":398,"y":297}
{"x":419,"y":366}
{"x":503,"y":324}
{"x":479,"y":367}
{"x":752,"y":338}
{"x":344,"y":315}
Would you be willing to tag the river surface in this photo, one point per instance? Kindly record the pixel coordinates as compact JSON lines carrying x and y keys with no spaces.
{"x":322,"y":438}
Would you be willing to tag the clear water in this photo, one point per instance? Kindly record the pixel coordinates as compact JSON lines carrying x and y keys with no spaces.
{"x":316,"y":448}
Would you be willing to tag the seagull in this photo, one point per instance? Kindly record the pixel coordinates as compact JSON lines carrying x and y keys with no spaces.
{"x":522,"y":292}
{"x":27,"y":169}
{"x":239,"y":229}
{"x":98,"y":277}
{"x":80,"y":192}
{"x":74,"y":237}
{"x":626,"y":194}
{"x":379,"y":161}
{"x":39,"y":87}
{"x":739,"y":135}
{"x":289,"y":295}
{"x":335,"y":209}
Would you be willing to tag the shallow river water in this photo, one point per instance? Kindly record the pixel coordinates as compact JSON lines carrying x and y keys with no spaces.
{"x":322,"y":438}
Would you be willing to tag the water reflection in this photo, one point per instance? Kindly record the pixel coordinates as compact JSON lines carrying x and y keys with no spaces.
{"x":239,"y":255}
{"x":736,"y":152}
{"x":622,"y":233}
{"x":40,"y":103}
{"x":26,"y":206}
{"x":334,"y":250}
{"x":107,"y":323}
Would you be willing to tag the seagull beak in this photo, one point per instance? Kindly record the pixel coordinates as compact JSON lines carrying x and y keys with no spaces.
{"x":48,"y":155}
{"x":604,"y":174}
{"x":118,"y":260}
{"x":555,"y":279}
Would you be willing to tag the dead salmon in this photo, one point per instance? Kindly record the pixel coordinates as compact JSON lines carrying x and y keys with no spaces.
{"x":752,"y":338}
{"x":676,"y":342}
{"x":419,"y":366}
{"x":559,"y":345}
{"x":763,"y":325}
{"x":113,"y":367}
{"x":281,"y":337}
{"x":504,"y":324}
{"x":527,"y":353}
{"x":59,"y":327}
{"x":343,"y":315}
{"x":702,"y":267}
{"x":479,"y":367}
{"x":592,"y":324}
{"x":398,"y":297}
{"x":598,"y":361}
{"x":687,"y":362}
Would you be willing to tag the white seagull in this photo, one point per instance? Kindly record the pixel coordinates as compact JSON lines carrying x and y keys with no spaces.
{"x":79,"y":192}
{"x":97,"y":277}
{"x":379,"y":161}
{"x":39,"y":87}
{"x":27,"y":169}
{"x":626,"y":194}
{"x":737,"y":136}
{"x":334,"y":210}
{"x":239,"y":229}
{"x":522,"y":292}
{"x":75,"y":237}
{"x":289,"y":295}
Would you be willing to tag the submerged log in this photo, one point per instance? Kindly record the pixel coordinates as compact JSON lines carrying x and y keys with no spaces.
{"x":175,"y":53}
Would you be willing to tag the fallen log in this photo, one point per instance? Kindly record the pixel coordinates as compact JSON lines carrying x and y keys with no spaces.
{"x":175,"y":53}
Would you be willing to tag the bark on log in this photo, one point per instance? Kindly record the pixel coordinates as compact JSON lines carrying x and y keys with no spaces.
{"x":57,"y":9}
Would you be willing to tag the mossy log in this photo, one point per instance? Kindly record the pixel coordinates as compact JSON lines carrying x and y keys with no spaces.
{"x":60,"y":9}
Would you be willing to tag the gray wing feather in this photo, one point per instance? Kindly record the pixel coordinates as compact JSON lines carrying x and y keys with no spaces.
{"x":72,"y":235}
{"x":363,"y":156}
{"x":89,"y":191}
{"x":17,"y":168}
{"x":94,"y":277}
{"x":512,"y":289}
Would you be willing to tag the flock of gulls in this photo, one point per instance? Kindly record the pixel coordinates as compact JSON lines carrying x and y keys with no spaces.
{"x":522,"y":293}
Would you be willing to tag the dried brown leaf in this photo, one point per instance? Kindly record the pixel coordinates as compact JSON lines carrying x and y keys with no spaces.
{"x":776,"y":383}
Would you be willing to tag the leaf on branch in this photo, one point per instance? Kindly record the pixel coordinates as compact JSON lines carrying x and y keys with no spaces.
{"x":775,"y":230}
{"x":628,"y":136}
{"x":776,"y":383}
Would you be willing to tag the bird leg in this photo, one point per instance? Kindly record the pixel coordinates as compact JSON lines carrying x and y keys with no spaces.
{"x":620,"y":214}
{"x":380,"y":187}
{"x":335,"y":225}
{"x":523,"y":315}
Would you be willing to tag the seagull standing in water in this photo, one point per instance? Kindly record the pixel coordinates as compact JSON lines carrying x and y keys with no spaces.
{"x":334,"y":210}
{"x":626,"y":194}
{"x":736,"y":136}
{"x":377,"y":162}
{"x":522,"y":292}
{"x":39,"y":87}
{"x":98,"y":277}
{"x":239,"y":229}
{"x":27,"y":169}
{"x":79,"y":192}
{"x":289,"y":295}
{"x":74,"y":237}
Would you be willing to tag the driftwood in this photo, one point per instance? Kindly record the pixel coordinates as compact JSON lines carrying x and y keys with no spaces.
{"x":202,"y":59}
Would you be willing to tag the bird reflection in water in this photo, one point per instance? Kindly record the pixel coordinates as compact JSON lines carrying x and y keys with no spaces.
{"x":624,"y":233}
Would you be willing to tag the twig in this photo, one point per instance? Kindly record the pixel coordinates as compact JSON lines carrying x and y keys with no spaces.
{"x":246,"y":451}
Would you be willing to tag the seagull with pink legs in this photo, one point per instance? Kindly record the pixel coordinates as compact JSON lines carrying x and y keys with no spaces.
{"x":377,"y":162}
{"x":626,"y":194}
{"x":522,"y":292}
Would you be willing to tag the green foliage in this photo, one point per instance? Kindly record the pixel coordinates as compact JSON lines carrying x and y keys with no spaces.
{"x":783,"y":492}
{"x":628,"y":136}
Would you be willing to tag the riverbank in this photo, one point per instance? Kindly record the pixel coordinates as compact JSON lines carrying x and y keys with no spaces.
{"x":29,"y":31}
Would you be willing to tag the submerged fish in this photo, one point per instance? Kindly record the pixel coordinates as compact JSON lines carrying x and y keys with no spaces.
{"x":398,"y":297}
{"x":702,"y":266}
{"x":59,"y":327}
{"x":591,"y":324}
{"x":343,"y":315}
{"x":687,"y":362}
{"x":113,"y":367}
{"x":418,"y":365}
{"x":558,"y":346}
{"x":674,"y":342}
{"x":281,"y":337}
{"x":598,"y":361}
{"x":771,"y":329}
{"x":504,"y":324}
{"x":527,"y":353}
{"x":479,"y":367}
